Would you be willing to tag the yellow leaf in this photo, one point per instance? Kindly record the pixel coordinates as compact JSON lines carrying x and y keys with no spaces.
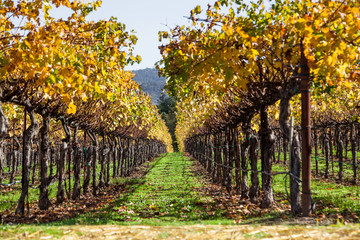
{"x":308,"y":30}
{"x":71,"y":109}
{"x":329,"y":60}
{"x":47,"y":89}
{"x":347,"y":84}
{"x":253,"y":53}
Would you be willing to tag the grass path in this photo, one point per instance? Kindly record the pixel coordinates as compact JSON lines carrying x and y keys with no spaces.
{"x":169,"y":194}
{"x":167,"y":202}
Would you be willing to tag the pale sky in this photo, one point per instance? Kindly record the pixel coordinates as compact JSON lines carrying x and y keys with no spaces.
{"x":146,"y":18}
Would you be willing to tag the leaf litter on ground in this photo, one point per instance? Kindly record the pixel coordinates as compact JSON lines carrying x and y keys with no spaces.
{"x":172,"y":190}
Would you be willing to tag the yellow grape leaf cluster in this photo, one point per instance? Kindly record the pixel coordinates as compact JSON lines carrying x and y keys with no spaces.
{"x":225,"y":52}
{"x":74,"y":68}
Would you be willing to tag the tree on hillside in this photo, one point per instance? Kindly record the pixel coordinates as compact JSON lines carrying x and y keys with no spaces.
{"x":167,"y":109}
{"x":150,"y":82}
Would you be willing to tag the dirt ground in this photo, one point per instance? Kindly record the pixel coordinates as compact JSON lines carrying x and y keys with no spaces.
{"x":277,"y":228}
{"x":198,"y":232}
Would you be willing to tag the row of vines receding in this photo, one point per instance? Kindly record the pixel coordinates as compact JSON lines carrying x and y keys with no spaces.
{"x":71,"y":117}
{"x":238,"y":73}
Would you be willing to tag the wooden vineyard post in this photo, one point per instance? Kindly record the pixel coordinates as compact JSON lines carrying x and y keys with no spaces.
{"x":305,"y":134}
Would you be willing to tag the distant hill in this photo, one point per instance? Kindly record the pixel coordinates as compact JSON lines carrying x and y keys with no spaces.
{"x":150,"y":82}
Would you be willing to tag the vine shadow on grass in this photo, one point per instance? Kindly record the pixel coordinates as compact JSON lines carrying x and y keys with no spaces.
{"x":106,"y":214}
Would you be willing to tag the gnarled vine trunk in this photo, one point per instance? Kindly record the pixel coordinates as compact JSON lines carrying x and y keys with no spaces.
{"x":226,"y":169}
{"x":44,"y":202}
{"x":327,"y":156}
{"x":88,"y":152}
{"x":29,"y":135}
{"x":64,"y":154}
{"x":267,"y":140}
{"x":102,"y":163}
{"x":4,"y":126}
{"x":15,"y":157}
{"x":254,"y":189}
{"x":94,"y":161}
{"x":114,"y":157}
{"x":60,"y":196}
{"x":244,"y":163}
{"x":109,"y":156}
{"x":284,"y":122}
{"x":77,"y":166}
{"x":237,"y":161}
{"x":340,"y":156}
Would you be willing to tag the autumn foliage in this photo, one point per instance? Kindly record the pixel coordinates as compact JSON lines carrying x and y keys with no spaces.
{"x":70,"y":73}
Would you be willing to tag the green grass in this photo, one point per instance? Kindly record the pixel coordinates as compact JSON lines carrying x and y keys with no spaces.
{"x":10,"y":198}
{"x":331,"y":196}
{"x":334,"y":165}
{"x":336,"y":197}
{"x":167,"y":194}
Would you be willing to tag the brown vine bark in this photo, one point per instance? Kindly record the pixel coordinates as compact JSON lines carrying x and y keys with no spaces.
{"x":15,"y":157}
{"x":340,"y":155}
{"x":102,"y":163}
{"x":44,"y":202}
{"x":88,"y":151}
{"x":327,"y":156}
{"x":77,"y":168}
{"x":60,"y":196}
{"x":29,"y":135}
{"x":4,"y":126}
{"x":237,"y":160}
{"x":226,"y":169}
{"x":109,"y":156}
{"x":64,"y":154}
{"x":267,"y":139}
{"x":254,"y":189}
{"x":94,"y":161}
{"x":244,"y":163}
